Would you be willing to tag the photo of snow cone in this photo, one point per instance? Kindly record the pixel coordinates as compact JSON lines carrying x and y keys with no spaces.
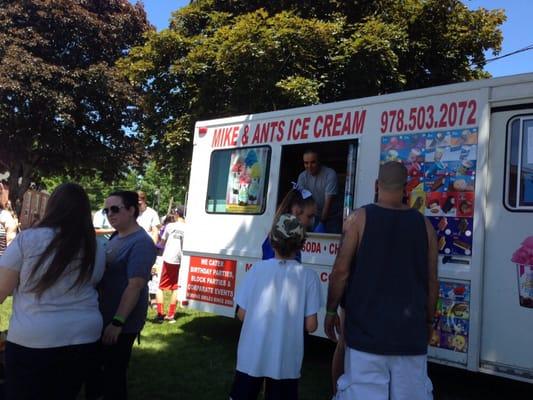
{"x":236,"y":170}
{"x":255,"y":175}
{"x":523,"y":258}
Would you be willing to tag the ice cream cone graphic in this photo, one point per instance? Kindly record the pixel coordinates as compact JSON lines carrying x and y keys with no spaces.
{"x":523,"y":257}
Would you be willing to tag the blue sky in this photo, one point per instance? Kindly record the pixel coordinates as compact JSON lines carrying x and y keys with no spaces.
{"x":517,"y":30}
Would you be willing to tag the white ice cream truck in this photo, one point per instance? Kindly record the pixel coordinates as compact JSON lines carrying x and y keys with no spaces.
{"x":468,"y":148}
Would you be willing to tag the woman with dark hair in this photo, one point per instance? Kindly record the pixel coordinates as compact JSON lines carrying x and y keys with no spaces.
{"x":130,"y":255}
{"x":52,"y":271}
{"x":300,"y":203}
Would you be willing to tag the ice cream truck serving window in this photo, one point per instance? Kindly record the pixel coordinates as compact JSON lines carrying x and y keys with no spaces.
{"x":238,"y":181}
{"x":519,"y":164}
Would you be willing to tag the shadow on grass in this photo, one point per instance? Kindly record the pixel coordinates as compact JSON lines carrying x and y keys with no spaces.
{"x":215,"y":328}
{"x":195,"y":359}
{"x":191,"y":359}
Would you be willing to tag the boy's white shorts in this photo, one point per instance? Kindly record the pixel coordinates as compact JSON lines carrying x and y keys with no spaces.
{"x":376,"y":377}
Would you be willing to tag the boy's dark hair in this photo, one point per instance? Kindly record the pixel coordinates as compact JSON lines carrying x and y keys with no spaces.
{"x":129,"y":198}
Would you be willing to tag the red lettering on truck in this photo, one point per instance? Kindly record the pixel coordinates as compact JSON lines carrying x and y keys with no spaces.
{"x":226,"y":136}
{"x":312,"y":247}
{"x":340,"y":124}
{"x":333,"y":248}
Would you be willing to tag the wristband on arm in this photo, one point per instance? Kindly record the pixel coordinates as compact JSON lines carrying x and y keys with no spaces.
{"x":118,"y":321}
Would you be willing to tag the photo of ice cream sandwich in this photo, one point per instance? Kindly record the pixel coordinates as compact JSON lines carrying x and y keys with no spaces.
{"x":462,"y":244}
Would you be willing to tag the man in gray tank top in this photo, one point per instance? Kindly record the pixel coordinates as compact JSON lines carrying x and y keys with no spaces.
{"x":387,"y":270}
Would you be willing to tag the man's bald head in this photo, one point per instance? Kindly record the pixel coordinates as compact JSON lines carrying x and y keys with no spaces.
{"x":392,"y":176}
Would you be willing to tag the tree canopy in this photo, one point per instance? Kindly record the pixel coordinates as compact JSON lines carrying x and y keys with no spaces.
{"x":64,"y":106}
{"x":221,"y":58}
{"x":159,"y":186}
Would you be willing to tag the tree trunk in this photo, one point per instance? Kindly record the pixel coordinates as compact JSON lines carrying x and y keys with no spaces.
{"x":19,"y":181}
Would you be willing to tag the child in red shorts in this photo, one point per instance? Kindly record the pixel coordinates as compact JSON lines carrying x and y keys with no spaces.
{"x":172,"y":240}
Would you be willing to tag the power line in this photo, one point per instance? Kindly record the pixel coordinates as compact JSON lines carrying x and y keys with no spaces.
{"x":512,"y":53}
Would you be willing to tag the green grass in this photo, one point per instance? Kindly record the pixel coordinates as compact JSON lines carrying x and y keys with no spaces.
{"x":5,"y":313}
{"x":195,"y":359}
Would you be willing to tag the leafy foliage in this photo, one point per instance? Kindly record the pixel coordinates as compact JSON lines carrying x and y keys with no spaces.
{"x":63,"y":105}
{"x":221,"y":58}
{"x":159,"y":186}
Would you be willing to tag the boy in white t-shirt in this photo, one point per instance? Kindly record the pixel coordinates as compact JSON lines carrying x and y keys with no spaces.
{"x":277,"y":300}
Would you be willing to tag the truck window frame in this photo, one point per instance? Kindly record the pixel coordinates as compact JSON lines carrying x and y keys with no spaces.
{"x":347,"y":192}
{"x":265,"y":184}
{"x":513,"y":185}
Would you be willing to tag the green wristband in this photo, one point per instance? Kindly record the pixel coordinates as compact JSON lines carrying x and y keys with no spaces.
{"x":119,"y":319}
{"x":328,"y":312}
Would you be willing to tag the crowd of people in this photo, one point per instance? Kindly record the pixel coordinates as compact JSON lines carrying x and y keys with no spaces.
{"x":80,"y":293}
{"x":80,"y":289}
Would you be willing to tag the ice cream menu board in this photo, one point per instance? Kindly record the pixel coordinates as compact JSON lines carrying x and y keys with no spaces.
{"x":246,"y":180}
{"x":451,"y":324}
{"x":442,"y":174}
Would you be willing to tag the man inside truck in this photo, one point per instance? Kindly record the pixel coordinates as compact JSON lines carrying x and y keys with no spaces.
{"x":322,"y":182}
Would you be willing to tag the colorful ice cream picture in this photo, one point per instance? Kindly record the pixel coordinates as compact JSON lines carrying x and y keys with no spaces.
{"x":405,"y":148}
{"x":460,"y":183}
{"x":463,"y":137}
{"x":246,"y":180}
{"x":437,"y":167}
{"x":255,"y":175}
{"x":251,"y":158}
{"x":465,"y":167}
{"x":417,"y":199}
{"x":237,"y":168}
{"x":523,"y":258}
{"x":437,"y":139}
{"x":441,"y":183}
{"x":439,"y":203}
{"x":243,"y":196}
{"x":451,"y":326}
{"x":454,"y":235}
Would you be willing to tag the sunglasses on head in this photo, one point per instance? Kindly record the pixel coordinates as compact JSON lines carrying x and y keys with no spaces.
{"x":112,"y":209}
